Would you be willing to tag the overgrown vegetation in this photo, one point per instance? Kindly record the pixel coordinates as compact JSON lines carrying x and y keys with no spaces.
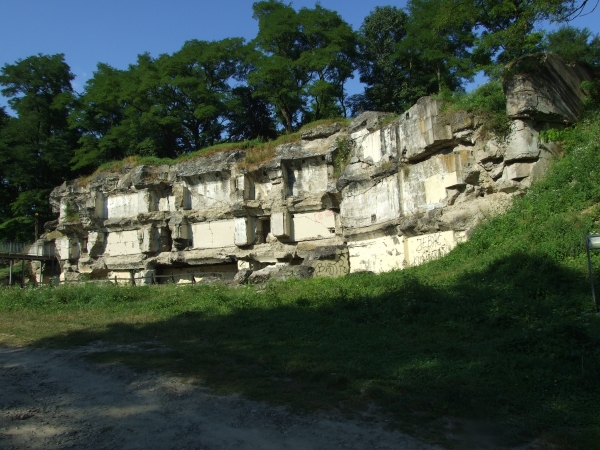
{"x":487,"y":103}
{"x":342,"y":155}
{"x":501,"y":331}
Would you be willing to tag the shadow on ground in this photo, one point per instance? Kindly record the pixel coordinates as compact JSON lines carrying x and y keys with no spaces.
{"x":515,"y":343}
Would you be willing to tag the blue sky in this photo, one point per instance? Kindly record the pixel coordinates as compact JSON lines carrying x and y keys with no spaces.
{"x":116,"y":31}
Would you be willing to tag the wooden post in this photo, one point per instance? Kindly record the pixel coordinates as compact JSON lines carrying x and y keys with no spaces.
{"x":116,"y":280}
{"x":154,"y":277}
{"x":10,"y":267}
{"x":193,"y":278}
{"x":131,"y":275}
{"x":22,"y":273}
{"x":41,"y":273}
{"x":172,"y":277}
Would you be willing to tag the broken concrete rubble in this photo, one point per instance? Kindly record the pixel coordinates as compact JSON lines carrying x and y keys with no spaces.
{"x":412,"y":189}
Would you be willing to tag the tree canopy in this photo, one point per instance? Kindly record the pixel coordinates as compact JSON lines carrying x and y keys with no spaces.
{"x":36,"y":148}
{"x":294,"y":71}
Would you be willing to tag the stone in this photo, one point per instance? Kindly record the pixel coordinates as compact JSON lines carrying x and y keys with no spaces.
{"x":470,"y":173}
{"x":522,"y":142}
{"x":423,"y":174}
{"x":518,"y":171}
{"x":321,"y":131}
{"x":422,"y":130}
{"x":263,"y":275}
{"x":369,"y":121}
{"x":241,"y":277}
{"x":544,"y":88}
{"x":507,"y":186}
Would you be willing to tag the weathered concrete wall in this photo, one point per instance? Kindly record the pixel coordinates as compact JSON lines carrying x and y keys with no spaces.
{"x":425,"y":184}
{"x":412,"y":187}
{"x":365,"y":205}
{"x":377,"y":255}
{"x":128,"y":205}
{"x":119,"y":243}
{"x":212,"y":190}
{"x":420,"y":249}
{"x":310,"y":226}
{"x":216,"y":234}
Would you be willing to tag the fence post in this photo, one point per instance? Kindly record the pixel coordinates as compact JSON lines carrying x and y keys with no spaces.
{"x":154,"y":277}
{"x":172,"y":277}
{"x":10,"y":268}
{"x":193,"y":278}
{"x":116,"y":284}
{"x":132,"y":278}
{"x":22,"y":273}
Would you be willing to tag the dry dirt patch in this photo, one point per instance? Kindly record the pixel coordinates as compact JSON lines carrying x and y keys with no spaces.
{"x":54,"y":399}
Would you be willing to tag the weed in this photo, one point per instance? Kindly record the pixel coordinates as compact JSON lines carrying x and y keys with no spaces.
{"x":487,"y":102}
{"x":388,"y":119}
{"x":71,"y":212}
{"x":344,"y":147}
{"x":343,"y":122}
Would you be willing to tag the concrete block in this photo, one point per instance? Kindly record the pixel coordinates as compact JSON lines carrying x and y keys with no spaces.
{"x":281,"y":224}
{"x":215,"y":234}
{"x":522,"y":142}
{"x":377,"y":255}
{"x":318,"y":225}
{"x":517,"y":171}
{"x":427,"y":247}
{"x":243,"y":231}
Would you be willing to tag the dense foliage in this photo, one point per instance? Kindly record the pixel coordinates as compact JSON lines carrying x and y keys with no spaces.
{"x":293,"y":72}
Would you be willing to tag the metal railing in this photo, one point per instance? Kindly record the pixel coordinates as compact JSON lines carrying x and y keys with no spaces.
{"x":14,"y":247}
{"x":24,"y":248}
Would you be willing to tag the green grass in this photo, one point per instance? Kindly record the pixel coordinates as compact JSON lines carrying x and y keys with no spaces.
{"x":501,"y":331}
{"x":16,"y":271}
{"x":343,"y":122}
{"x":487,"y":102}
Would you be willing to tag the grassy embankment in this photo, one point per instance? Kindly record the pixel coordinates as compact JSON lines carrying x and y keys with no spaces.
{"x":502,"y":330}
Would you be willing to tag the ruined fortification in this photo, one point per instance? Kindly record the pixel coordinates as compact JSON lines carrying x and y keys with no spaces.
{"x":409,"y":190}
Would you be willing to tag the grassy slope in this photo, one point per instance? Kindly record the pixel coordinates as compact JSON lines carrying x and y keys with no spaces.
{"x":501,"y":330}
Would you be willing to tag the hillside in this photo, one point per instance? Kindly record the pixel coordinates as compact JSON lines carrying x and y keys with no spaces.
{"x":501,"y":331}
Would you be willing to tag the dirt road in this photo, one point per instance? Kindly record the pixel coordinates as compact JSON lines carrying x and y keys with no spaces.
{"x":54,"y":399}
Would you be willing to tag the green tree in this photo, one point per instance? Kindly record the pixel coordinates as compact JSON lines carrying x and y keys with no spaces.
{"x":196,"y":84}
{"x":277,"y":76}
{"x":7,"y":192}
{"x":384,"y":66}
{"x":506,"y":28}
{"x":574,"y":45}
{"x":98,"y":115}
{"x":249,"y":116}
{"x":302,"y":61}
{"x":164,"y":107}
{"x":38,"y":144}
{"x":438,"y":52}
{"x":329,"y":54}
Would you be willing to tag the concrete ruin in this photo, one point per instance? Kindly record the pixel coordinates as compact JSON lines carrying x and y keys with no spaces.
{"x":383,"y":193}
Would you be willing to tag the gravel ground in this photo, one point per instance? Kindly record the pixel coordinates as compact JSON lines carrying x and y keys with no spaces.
{"x":55,"y":399}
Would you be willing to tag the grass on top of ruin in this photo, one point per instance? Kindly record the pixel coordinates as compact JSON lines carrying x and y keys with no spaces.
{"x":258,"y":151}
